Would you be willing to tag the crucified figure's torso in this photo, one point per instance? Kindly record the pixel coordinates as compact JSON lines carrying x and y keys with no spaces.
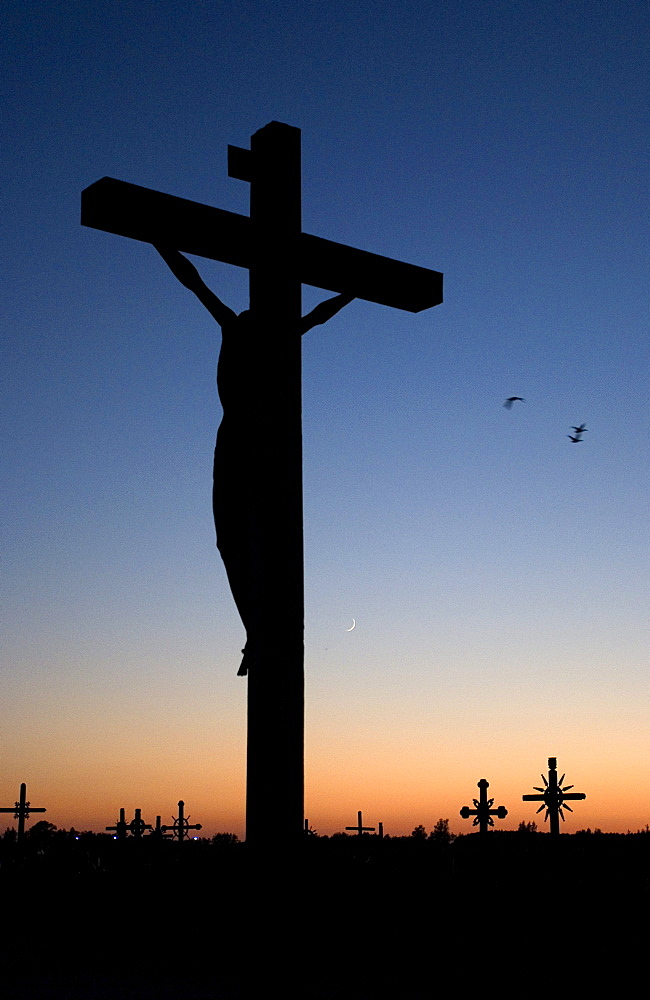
{"x":242,"y":383}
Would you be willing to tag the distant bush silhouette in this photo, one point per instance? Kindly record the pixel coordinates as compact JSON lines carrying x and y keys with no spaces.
{"x":224,"y":839}
{"x":41,"y":831}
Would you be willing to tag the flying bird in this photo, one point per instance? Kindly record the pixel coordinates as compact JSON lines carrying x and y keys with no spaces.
{"x":580,"y":429}
{"x":574,"y":439}
{"x":513,"y":399}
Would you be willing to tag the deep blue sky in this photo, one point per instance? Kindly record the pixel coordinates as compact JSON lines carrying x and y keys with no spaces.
{"x":497,"y":572}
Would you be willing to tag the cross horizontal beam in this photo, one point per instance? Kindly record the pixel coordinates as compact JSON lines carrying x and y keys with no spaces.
{"x":150,"y":216}
{"x":571,"y":796}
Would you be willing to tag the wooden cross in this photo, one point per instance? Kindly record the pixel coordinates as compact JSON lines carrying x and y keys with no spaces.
{"x":279,"y":257}
{"x":483,"y":811}
{"x":21,"y":811}
{"x":360,"y":828}
{"x":181,"y":824}
{"x":553,"y":797}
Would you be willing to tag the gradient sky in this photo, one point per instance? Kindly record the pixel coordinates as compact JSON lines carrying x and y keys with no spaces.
{"x":496,"y":571}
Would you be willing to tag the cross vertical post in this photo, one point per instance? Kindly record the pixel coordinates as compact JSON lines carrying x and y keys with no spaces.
{"x":276,"y":682}
{"x":554,"y":812}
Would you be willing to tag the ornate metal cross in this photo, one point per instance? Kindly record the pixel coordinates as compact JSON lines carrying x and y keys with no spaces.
{"x":483,"y":811}
{"x":181,"y":825}
{"x":554,"y":797}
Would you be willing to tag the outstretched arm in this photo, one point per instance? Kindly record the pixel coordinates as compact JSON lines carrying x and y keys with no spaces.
{"x":188,"y":275}
{"x":324,"y":311}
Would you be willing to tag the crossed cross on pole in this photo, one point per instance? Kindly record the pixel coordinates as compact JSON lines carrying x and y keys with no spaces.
{"x":360,"y":828}
{"x":279,"y":257}
{"x":21,"y":811}
{"x":181,"y":825}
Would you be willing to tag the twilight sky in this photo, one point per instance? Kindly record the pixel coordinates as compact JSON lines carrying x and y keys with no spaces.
{"x":497,"y":572}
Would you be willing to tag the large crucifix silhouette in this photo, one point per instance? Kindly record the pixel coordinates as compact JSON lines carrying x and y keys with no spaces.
{"x":258,"y":457}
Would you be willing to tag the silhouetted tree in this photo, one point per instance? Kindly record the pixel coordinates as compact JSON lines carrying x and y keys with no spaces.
{"x":419,"y":833}
{"x":441,"y":833}
{"x":41,"y":833}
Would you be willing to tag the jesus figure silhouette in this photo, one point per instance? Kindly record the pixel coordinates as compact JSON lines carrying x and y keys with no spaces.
{"x":242,"y":384}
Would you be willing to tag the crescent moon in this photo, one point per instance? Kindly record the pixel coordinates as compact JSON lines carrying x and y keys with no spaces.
{"x":354,"y":622}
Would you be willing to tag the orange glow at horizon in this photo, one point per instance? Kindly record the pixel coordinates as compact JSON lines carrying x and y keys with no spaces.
{"x":400,"y":786}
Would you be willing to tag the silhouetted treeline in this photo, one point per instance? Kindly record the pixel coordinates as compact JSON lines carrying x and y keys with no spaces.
{"x":47,"y":846}
{"x":344,"y":916}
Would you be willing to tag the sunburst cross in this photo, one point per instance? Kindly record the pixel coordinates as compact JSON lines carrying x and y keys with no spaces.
{"x":553,"y":796}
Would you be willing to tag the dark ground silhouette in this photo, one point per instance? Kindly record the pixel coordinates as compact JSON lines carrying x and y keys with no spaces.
{"x":354,"y":916}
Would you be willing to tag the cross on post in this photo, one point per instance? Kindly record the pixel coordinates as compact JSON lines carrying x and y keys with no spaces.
{"x":181,"y":825}
{"x":21,"y":811}
{"x":483,"y":811}
{"x":279,"y":257}
{"x":120,"y":828}
{"x":360,"y":828}
{"x":554,"y":797}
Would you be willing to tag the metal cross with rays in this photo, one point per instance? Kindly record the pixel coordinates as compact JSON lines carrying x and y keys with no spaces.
{"x":553,"y":796}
